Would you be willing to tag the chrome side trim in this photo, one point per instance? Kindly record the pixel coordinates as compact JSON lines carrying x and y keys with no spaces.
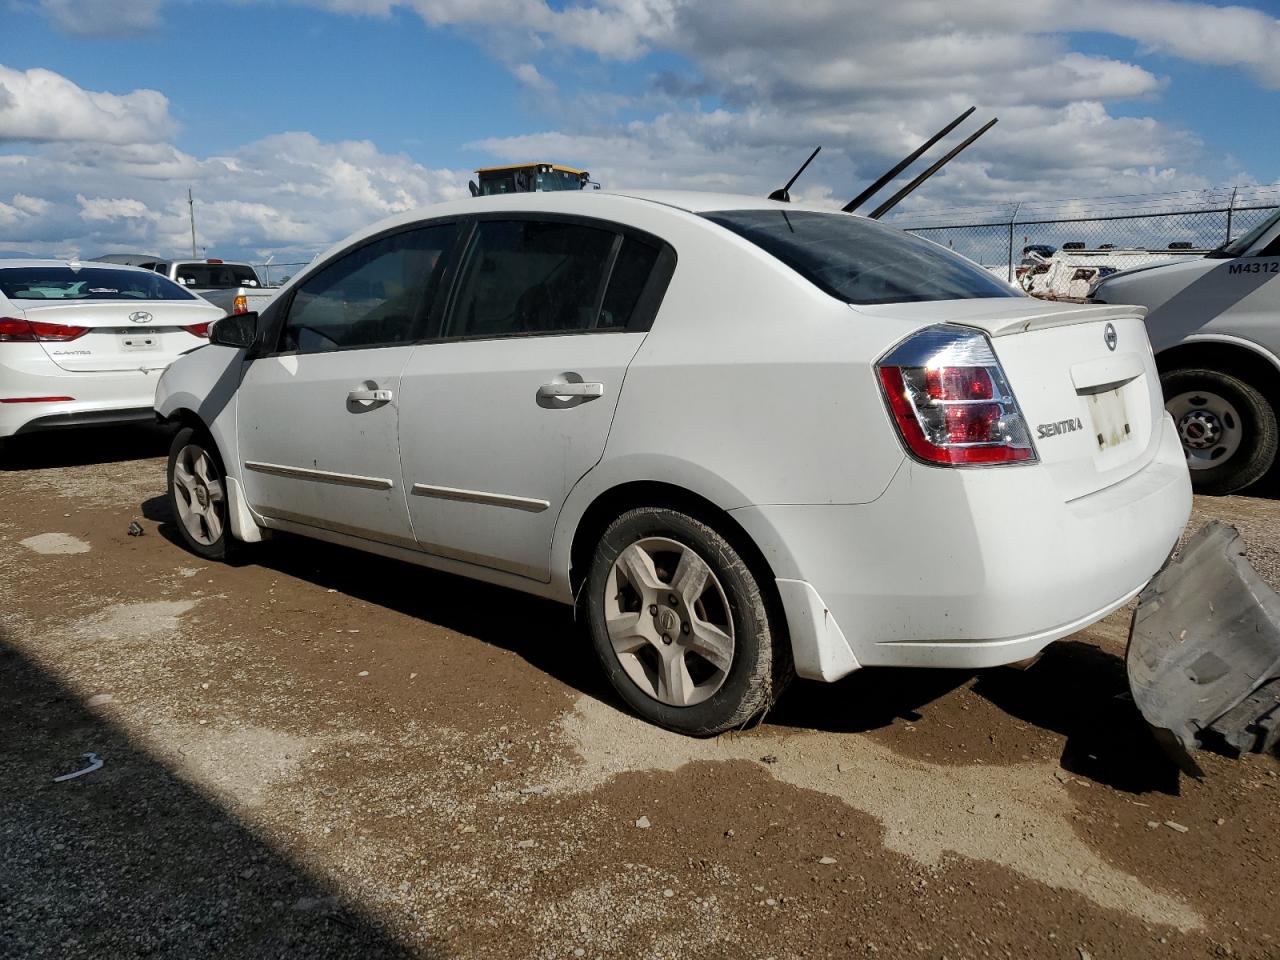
{"x":527,"y":504}
{"x":321,"y":476}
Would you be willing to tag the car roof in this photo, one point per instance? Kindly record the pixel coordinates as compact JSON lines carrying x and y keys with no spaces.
{"x":77,"y":264}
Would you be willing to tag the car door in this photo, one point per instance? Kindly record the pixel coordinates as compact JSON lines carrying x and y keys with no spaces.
{"x":318,"y":415}
{"x":512,"y":403}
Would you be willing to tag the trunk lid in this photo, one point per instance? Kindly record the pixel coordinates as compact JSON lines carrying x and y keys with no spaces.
{"x":128,"y":335}
{"x":1091,"y":400}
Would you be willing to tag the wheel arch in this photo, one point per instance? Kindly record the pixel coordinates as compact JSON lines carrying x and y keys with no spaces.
{"x":1239,"y":358}
{"x":611,"y":503}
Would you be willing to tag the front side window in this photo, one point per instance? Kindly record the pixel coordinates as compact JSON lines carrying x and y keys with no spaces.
{"x":373,"y":296}
{"x":529,"y":276}
{"x":87,"y":283}
{"x":862,"y":261}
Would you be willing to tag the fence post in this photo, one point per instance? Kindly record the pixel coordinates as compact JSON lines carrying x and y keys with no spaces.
{"x":1231,"y":209}
{"x":1012,"y":217}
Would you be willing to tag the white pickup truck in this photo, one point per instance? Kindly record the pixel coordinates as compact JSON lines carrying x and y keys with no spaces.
{"x":232,"y":285}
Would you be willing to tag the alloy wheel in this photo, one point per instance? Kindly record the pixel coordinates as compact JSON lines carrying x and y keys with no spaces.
{"x":200,"y":494}
{"x":668,"y":620}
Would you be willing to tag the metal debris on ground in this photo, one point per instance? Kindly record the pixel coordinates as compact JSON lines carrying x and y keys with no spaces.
{"x":95,"y":763}
{"x":135,"y":529}
{"x":1204,"y":652}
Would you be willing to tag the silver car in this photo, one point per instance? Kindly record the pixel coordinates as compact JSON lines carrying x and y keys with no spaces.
{"x":1214,"y":323}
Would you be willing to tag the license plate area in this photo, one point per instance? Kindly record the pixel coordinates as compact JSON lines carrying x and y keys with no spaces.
{"x":139,"y":342}
{"x":1109,"y":416}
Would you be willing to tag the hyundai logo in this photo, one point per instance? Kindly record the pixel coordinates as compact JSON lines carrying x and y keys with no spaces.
{"x":1109,"y":337}
{"x":142,"y":316}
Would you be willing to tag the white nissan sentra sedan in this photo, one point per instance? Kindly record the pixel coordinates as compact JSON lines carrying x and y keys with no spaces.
{"x":85,"y":343}
{"x":746,"y":438}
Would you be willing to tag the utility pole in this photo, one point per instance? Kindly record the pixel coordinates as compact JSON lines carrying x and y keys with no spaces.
{"x":191,"y":207}
{"x":1231,"y":209}
{"x":1012,"y":218}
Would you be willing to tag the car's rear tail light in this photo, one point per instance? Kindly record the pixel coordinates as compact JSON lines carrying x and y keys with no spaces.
{"x":950,"y":400}
{"x":13,"y":329}
{"x":198,"y":329}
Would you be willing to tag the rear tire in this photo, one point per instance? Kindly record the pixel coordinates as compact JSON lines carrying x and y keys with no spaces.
{"x":198,"y":495}
{"x":681,"y":625}
{"x":1228,"y":429}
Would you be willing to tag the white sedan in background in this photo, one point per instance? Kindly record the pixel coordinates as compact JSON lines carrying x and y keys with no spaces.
{"x":747,"y":438}
{"x":85,"y":343}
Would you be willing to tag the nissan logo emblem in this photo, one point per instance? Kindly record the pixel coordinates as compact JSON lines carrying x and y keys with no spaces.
{"x":142,"y":316}
{"x":1109,"y":337}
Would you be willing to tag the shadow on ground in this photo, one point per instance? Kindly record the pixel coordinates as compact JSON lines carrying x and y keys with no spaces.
{"x":1082,"y":692}
{"x":1076,"y":689}
{"x":132,"y":861}
{"x":82,"y":446}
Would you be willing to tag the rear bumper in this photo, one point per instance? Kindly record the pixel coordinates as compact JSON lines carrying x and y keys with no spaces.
{"x":97,"y":398}
{"x":87,"y":418}
{"x":968,"y":569}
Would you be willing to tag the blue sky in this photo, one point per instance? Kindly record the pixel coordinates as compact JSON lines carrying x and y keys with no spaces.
{"x":297,"y":122}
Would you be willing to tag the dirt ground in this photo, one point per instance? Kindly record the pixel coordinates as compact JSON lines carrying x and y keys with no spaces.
{"x":324,"y":754}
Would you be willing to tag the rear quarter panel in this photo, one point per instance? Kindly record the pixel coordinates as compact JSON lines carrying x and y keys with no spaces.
{"x":753,"y":387}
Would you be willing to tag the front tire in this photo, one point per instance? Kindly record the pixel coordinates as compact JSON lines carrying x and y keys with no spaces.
{"x":198,"y":494}
{"x":1228,"y":429}
{"x":681,"y":625}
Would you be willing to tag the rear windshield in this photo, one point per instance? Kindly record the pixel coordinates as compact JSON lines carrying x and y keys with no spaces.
{"x":216,"y":276}
{"x":861,"y":261}
{"x":87,"y":283}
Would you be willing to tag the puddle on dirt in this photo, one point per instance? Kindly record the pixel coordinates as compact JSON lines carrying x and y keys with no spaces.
{"x":142,"y":620}
{"x":52,"y":544}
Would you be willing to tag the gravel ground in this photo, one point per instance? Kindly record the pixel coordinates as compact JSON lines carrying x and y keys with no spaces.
{"x":322,"y":754}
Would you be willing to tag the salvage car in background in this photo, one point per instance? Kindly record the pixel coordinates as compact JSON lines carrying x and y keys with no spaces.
{"x":1215,"y":324}
{"x":83,"y":343}
{"x":745,"y":436}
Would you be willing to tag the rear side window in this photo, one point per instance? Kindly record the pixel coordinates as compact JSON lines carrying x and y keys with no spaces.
{"x":87,"y":283}
{"x":373,"y":296}
{"x":635,"y":262}
{"x":861,"y":261}
{"x":530,"y":277}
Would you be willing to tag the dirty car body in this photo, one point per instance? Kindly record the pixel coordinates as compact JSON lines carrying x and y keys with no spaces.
{"x":916,"y":464}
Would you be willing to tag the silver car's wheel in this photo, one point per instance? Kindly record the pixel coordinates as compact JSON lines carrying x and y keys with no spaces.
{"x":1209,"y":426}
{"x":198,"y":494}
{"x":668,"y":621}
{"x":681,"y":626}
{"x":201,"y":496}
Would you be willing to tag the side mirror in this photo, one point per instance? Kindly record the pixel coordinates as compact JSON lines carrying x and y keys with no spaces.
{"x":471,"y":185}
{"x":238,"y":330}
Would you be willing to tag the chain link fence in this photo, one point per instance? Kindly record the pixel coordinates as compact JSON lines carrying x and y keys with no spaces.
{"x":1126,"y":239}
{"x":274,"y":274}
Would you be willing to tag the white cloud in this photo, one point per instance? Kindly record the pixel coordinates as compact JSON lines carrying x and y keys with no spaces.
{"x":103,"y":18}
{"x":290,"y":194}
{"x":762,"y":83}
{"x":40,"y":105}
{"x":531,"y":77}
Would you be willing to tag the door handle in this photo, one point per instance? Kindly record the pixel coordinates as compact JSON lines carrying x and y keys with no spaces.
{"x":370,"y":396}
{"x":585,"y":391}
